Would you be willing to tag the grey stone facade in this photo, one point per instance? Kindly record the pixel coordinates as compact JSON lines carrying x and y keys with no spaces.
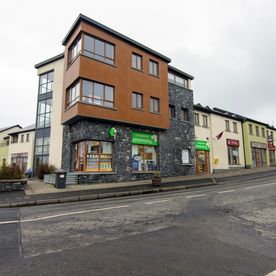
{"x":179,"y":136}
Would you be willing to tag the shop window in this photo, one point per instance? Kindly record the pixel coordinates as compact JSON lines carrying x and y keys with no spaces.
{"x":93,"y":156}
{"x":233,"y":155}
{"x":144,"y":158}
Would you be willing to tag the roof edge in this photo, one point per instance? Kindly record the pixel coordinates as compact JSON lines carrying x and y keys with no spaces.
{"x":172,"y":68}
{"x":7,"y":128}
{"x":50,"y":60}
{"x":90,"y":21}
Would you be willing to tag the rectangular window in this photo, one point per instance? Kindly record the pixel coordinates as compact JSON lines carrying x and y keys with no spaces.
{"x":74,"y":49}
{"x":154,"y":105}
{"x":98,"y":49}
{"x":22,"y":138}
{"x":136,"y":61}
{"x":184,"y":114}
{"x":42,"y":146}
{"x":257,"y":131}
{"x":14,"y":139}
{"x":46,"y":83}
{"x":177,"y":80}
{"x":93,"y":156}
{"x":250,"y":129}
{"x":204,"y":121}
{"x":97,"y":93}
{"x":235,"y":127}
{"x":153,"y":68}
{"x":73,"y":94}
{"x":186,"y":156}
{"x":172,"y":111}
{"x":263,"y":132}
{"x":233,"y":155}
{"x":44,"y":113}
{"x":137,"y":100}
{"x":196,"y":118}
{"x":28,"y":137}
{"x":227,"y":125}
{"x":144,"y":158}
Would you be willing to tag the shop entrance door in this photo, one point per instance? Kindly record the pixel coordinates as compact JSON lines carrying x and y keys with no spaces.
{"x":202,"y":161}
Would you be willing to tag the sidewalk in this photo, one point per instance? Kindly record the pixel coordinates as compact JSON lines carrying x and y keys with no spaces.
{"x":38,"y":193}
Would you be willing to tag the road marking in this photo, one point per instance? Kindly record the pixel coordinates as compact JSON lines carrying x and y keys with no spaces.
{"x":259,"y":186}
{"x":159,"y":201}
{"x":224,"y":192}
{"x":194,"y":196}
{"x":64,"y":214}
{"x":273,"y":273}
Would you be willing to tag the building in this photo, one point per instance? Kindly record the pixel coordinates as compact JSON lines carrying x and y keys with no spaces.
{"x":255,"y":140}
{"x":21,"y":147}
{"x":271,"y":134}
{"x":219,"y":140}
{"x":49,"y":130}
{"x":114,"y":106}
{"x":5,"y":141}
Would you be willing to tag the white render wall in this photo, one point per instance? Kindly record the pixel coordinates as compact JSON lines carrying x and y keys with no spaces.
{"x":220,"y":146}
{"x":55,"y":154}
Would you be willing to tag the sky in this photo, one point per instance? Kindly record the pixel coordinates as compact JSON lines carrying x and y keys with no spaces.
{"x":228,"y":46}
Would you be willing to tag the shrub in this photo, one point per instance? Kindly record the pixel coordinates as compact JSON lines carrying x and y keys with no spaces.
{"x":44,"y":169}
{"x":10,"y":172}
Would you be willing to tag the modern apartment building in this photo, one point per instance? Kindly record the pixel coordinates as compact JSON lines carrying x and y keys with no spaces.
{"x":21,"y":147}
{"x":49,"y":130}
{"x":5,"y":141}
{"x":219,"y":140}
{"x":123,"y":110}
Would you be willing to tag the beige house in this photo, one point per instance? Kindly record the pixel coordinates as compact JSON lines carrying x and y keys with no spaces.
{"x":21,"y":147}
{"x":218,"y":142}
{"x":49,"y":130}
{"x":4,"y":142}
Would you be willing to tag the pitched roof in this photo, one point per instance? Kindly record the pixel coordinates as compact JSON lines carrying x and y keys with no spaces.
{"x":25,"y":129}
{"x":9,"y":127}
{"x":92,"y":22}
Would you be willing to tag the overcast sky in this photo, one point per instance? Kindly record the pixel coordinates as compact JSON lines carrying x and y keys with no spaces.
{"x":229,"y":46}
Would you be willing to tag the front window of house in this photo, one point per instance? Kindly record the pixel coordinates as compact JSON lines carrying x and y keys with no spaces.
{"x":153,"y":68}
{"x":93,"y":156}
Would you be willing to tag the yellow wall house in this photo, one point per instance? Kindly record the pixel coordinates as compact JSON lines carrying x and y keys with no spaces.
{"x":219,"y":140}
{"x":21,"y":147}
{"x":4,"y":142}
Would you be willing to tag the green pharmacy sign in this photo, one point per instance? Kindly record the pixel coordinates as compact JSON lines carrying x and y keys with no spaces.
{"x":202,"y":145}
{"x":141,"y":138}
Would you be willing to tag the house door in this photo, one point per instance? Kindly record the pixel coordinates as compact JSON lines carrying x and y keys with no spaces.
{"x":202,"y":161}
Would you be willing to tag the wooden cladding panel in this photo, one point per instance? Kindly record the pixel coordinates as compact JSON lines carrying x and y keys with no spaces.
{"x":125,"y":80}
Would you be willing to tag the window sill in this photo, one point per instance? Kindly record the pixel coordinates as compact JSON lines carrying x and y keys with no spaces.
{"x":113,"y":65}
{"x":101,"y":106}
{"x":138,"y":109}
{"x":226,"y":130}
{"x":139,"y":70}
{"x":144,"y":172}
{"x":157,"y":113}
{"x":156,"y":76}
{"x":188,"y":164}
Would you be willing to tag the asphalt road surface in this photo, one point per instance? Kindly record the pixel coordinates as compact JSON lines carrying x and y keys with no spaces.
{"x":228,"y":229}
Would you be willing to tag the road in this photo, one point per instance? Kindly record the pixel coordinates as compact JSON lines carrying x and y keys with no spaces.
{"x":228,"y":229}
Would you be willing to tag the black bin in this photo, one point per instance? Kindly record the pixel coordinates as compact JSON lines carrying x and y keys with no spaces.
{"x":60,"y":179}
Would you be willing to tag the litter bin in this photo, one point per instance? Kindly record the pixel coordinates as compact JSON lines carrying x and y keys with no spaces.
{"x":60,"y":179}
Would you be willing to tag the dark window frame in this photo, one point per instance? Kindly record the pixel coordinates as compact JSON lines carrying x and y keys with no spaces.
{"x":227,"y":125}
{"x":153,"y":68}
{"x":45,"y":114}
{"x":205,"y":121}
{"x":185,"y":115}
{"x":136,"y":95}
{"x":172,"y":111}
{"x":154,"y":105}
{"x":136,"y":57}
